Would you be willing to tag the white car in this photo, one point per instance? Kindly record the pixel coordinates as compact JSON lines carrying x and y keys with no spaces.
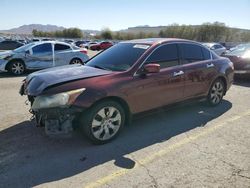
{"x":41,"y":55}
{"x":216,"y":47}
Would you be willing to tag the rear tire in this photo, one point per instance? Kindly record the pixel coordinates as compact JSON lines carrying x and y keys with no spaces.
{"x":216,"y":93}
{"x":16,"y":67}
{"x":103,"y":122}
{"x":76,"y":61}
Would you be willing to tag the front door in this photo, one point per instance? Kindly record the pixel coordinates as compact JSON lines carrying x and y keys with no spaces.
{"x":40,"y":57}
{"x":158,"y":89}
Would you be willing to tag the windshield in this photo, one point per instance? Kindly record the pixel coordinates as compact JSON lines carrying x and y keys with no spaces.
{"x":119,"y":57}
{"x":240,"y":50}
{"x":23,"y":48}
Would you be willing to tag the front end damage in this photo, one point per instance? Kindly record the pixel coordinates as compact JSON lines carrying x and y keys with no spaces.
{"x":57,"y":121}
{"x":55,"y":112}
{"x":52,"y":108}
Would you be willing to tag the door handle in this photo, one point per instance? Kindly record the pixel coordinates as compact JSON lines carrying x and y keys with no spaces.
{"x":210,"y":65}
{"x":178,"y":73}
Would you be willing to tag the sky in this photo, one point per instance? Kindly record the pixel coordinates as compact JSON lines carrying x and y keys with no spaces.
{"x":121,"y":14}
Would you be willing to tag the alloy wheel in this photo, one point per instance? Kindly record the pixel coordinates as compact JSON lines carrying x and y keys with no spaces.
{"x":17,"y":68}
{"x":216,"y":92}
{"x":76,"y":61}
{"x":106,"y":123}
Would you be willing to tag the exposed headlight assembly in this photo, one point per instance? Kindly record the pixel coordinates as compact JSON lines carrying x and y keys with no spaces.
{"x":58,"y":100}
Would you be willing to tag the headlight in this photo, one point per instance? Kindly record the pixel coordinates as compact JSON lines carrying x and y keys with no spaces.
{"x":57,"y":100}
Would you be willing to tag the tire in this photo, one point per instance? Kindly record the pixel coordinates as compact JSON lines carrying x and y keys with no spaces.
{"x":16,"y":67}
{"x":216,"y":93}
{"x":76,"y":61}
{"x":99,"y":126}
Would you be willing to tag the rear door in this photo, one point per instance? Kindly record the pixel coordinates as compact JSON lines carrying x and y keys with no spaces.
{"x":63,"y":54}
{"x":159,"y":89}
{"x":41,"y":57}
{"x":198,"y":67}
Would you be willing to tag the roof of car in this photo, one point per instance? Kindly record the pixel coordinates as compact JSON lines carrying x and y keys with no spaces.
{"x":53,"y":42}
{"x":151,"y":41}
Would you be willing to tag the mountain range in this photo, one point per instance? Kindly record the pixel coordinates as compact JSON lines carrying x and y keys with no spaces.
{"x":27,"y":29}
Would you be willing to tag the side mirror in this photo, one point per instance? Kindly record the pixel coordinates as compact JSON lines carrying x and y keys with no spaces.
{"x":152,"y":68}
{"x":27,"y":52}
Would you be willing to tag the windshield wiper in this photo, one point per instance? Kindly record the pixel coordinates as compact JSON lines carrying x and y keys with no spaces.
{"x":99,"y":67}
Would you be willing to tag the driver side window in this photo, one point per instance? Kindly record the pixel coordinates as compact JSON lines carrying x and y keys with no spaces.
{"x":42,"y":48}
{"x":165,"y":56}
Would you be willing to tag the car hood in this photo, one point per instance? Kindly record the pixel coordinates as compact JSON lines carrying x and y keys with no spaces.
{"x":38,"y":81}
{"x":239,"y":62}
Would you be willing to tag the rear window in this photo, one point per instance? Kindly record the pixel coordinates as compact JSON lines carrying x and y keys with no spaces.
{"x":190,"y":53}
{"x":206,"y":53}
{"x":119,"y":57}
{"x":217,"y":46}
{"x":59,"y":47}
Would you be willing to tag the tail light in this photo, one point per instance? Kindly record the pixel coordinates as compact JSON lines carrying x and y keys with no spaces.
{"x":84,"y":50}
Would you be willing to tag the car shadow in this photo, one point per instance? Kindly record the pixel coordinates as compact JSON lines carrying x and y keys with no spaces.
{"x":9,"y":75}
{"x":29,"y":158}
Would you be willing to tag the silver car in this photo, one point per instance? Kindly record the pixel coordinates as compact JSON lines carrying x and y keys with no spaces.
{"x":41,"y":55}
{"x":216,"y":47}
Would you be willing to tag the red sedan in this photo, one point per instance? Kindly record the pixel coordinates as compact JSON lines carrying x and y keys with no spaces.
{"x":126,"y":79}
{"x":101,"y":46}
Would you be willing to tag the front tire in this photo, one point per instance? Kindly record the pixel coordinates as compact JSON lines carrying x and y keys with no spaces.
{"x":103,"y":122}
{"x":216,"y":92}
{"x":16,"y":67}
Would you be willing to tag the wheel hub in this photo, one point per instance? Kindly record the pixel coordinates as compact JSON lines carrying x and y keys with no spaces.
{"x":106,"y":123}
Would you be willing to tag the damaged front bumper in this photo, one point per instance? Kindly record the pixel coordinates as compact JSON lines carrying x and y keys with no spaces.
{"x":57,"y":121}
{"x":56,"y":112}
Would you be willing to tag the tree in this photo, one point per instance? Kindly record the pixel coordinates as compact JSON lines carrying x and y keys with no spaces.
{"x":66,"y":33}
{"x":107,"y":34}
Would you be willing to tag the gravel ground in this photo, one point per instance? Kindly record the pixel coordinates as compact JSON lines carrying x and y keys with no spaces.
{"x":190,"y":145}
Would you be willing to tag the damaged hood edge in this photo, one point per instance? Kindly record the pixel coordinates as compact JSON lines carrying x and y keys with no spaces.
{"x":37,"y":82}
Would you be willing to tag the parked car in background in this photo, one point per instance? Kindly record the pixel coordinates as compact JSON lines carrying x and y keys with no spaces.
{"x":23,"y":41}
{"x":216,"y":47}
{"x":240,"y":56}
{"x":101,"y":46}
{"x":47,"y":39}
{"x":10,"y":45}
{"x":35,"y":40}
{"x":81,"y":42}
{"x":88,"y":44}
{"x":41,"y":55}
{"x":69,"y":41}
{"x":240,"y":46}
{"x":128,"y":78}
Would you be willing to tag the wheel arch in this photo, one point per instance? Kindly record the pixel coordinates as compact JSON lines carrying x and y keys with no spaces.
{"x":224,"y":80}
{"x":13,"y":60}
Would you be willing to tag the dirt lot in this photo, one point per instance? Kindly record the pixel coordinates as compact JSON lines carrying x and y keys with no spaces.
{"x":191,"y":145}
